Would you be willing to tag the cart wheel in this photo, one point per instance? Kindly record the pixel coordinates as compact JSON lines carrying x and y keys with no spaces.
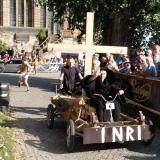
{"x":50,"y":116}
{"x":70,"y":136}
{"x":152,"y":130}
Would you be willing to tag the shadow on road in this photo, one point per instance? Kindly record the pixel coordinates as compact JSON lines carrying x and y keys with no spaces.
{"x":34,"y":81}
{"x":30,"y":110}
{"x":54,"y":140}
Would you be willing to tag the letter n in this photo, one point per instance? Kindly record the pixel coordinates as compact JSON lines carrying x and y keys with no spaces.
{"x":117,"y":134}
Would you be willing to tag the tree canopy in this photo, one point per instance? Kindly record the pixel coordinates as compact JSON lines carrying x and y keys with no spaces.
{"x":120,"y":22}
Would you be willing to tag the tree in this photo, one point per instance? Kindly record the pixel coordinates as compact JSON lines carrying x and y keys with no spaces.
{"x":120,"y":22}
{"x":41,"y":35}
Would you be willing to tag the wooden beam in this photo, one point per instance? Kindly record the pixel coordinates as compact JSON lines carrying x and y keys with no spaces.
{"x":89,"y":28}
{"x":89,"y":42}
{"x":87,"y":48}
{"x":135,"y":104}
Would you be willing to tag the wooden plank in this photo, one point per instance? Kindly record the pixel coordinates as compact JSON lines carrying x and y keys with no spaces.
{"x":87,"y":48}
{"x":142,"y":106}
{"x":88,"y":64}
{"x":89,"y":42}
{"x":89,"y":28}
{"x":116,"y":134}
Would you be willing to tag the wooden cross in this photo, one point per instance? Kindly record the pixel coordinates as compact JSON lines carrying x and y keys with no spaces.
{"x":89,"y":48}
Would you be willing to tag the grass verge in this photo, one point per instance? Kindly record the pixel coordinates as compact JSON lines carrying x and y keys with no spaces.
{"x":6,"y":138}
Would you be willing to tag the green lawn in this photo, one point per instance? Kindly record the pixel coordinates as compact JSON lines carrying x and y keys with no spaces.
{"x":6,"y":138}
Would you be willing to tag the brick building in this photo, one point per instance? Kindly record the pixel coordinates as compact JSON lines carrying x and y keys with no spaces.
{"x":24,"y":18}
{"x":24,"y":13}
{"x":21,"y":20}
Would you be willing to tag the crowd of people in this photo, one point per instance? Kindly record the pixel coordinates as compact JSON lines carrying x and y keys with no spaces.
{"x":13,"y":54}
{"x":101,"y":80}
{"x":5,"y":56}
{"x":141,"y":63}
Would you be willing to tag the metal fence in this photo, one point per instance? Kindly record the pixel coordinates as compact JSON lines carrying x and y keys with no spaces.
{"x":51,"y":67}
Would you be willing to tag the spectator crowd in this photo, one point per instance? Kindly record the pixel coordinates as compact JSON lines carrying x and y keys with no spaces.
{"x":138,"y":62}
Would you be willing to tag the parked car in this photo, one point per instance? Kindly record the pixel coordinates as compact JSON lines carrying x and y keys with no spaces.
{"x":12,"y":65}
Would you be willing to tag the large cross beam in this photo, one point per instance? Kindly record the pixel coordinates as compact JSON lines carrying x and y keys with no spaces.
{"x":89,"y":48}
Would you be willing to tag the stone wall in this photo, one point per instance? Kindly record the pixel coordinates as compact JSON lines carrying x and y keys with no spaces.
{"x":7,"y":35}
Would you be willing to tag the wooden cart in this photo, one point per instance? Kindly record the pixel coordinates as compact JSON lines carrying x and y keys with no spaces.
{"x":82,"y":121}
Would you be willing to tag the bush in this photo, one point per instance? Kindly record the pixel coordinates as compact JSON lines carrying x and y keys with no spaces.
{"x":42,"y":35}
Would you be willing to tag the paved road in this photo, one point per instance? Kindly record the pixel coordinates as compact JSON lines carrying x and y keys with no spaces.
{"x":36,"y":142}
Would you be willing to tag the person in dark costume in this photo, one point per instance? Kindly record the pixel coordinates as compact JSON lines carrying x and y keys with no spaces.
{"x":103,"y":85}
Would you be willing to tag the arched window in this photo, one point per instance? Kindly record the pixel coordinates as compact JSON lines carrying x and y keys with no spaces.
{"x":12,"y":13}
{"x":29,"y":13}
{"x":20,"y":13}
{"x":43,"y":16}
